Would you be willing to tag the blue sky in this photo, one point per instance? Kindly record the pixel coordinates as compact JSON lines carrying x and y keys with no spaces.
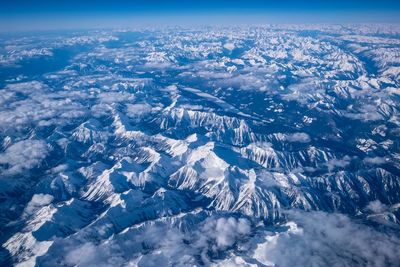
{"x":106,"y":12}
{"x":65,"y":6}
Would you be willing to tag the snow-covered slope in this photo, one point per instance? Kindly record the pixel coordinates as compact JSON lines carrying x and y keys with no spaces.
{"x":247,"y":146}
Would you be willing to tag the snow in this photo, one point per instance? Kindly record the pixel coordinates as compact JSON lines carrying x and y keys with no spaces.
{"x":202,"y":146}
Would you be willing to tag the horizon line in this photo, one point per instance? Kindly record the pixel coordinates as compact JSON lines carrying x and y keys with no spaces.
{"x":48,"y":22}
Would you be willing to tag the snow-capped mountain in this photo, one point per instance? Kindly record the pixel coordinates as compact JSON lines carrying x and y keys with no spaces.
{"x":250,"y":146}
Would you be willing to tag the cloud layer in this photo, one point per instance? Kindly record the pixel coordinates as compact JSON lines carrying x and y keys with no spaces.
{"x":23,"y":156}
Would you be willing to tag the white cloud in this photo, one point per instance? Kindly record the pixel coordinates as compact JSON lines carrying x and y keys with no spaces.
{"x":84,"y":255}
{"x":307,"y":239}
{"x":38,"y":201}
{"x":229,"y":46}
{"x":37,"y":103}
{"x":376,"y":206}
{"x":24,"y":155}
{"x":298,"y":137}
{"x":322,"y":239}
{"x":164,"y":245}
{"x":374,"y":160}
{"x":338,"y":163}
{"x":366,"y":112}
{"x":115,"y":97}
{"x":225,"y":231}
{"x":137,"y":110}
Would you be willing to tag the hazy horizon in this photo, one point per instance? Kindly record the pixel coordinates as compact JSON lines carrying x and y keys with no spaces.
{"x":50,"y":15}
